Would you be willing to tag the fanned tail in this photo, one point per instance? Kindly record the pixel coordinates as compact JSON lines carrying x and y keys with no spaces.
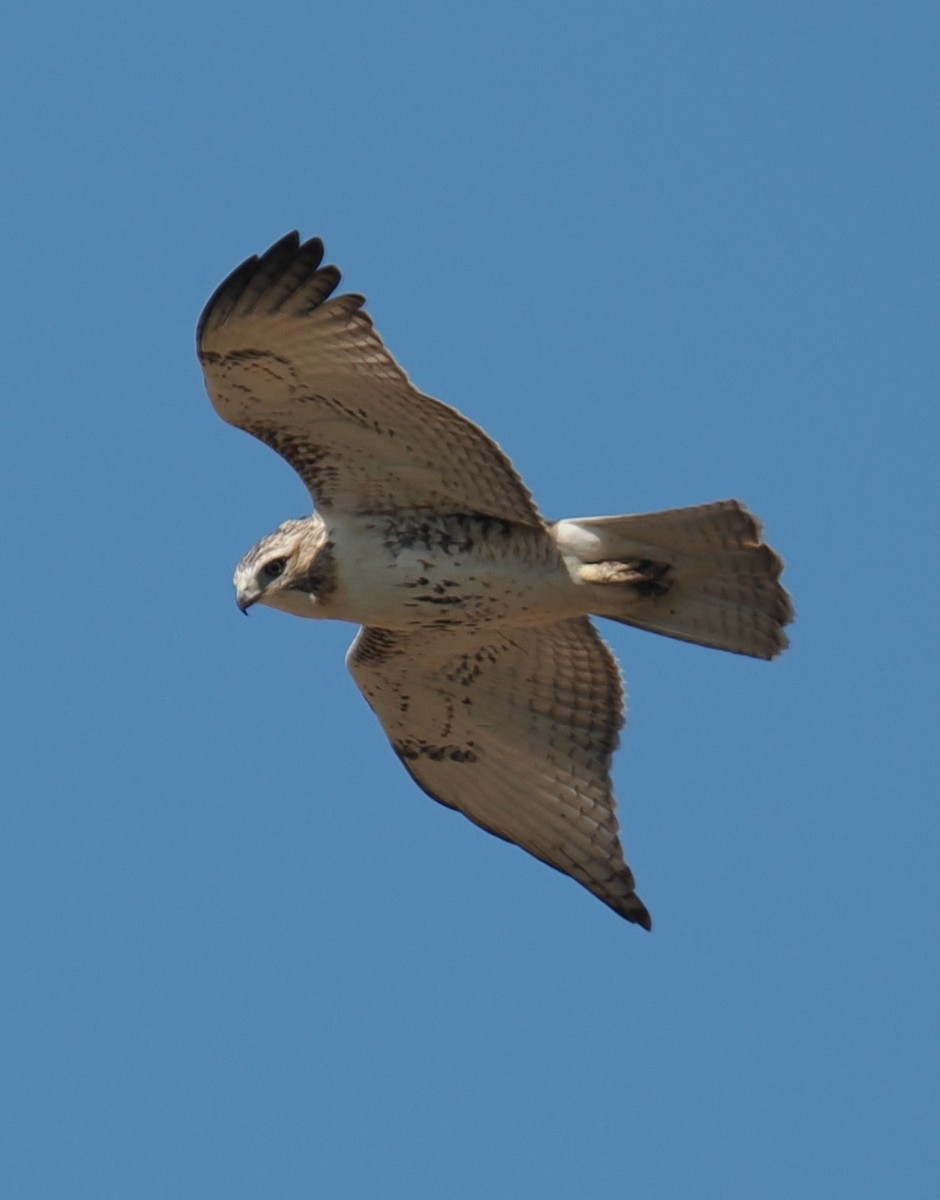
{"x":699,"y":574}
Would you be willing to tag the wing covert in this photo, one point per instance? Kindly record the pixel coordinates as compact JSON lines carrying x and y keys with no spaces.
{"x":309,"y":376}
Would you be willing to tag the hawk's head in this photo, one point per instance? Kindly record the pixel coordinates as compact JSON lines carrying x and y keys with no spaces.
{"x":291,"y":569}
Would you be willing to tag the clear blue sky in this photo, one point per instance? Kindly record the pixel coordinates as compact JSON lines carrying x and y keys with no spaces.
{"x":666,"y":253}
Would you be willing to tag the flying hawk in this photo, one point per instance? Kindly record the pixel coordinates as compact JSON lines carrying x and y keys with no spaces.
{"x":476,"y":652}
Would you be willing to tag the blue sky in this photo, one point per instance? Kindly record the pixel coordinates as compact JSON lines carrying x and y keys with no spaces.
{"x":665,"y":253}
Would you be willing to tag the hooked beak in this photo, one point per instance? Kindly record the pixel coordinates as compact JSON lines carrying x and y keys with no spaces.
{"x":245,"y":598}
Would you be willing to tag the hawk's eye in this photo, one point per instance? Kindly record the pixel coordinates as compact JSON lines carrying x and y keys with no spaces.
{"x":274,"y":568}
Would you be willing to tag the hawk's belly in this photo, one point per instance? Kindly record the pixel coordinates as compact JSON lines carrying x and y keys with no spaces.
{"x":425,"y":569}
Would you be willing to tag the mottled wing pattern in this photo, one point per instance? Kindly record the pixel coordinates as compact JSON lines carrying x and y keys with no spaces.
{"x":311,"y":378}
{"x":516,"y":730}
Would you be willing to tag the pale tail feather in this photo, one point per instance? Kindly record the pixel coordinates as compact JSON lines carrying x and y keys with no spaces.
{"x":699,"y":574}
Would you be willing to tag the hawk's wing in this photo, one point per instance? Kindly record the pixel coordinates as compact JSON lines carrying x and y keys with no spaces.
{"x":310,"y":377}
{"x":516,"y":730}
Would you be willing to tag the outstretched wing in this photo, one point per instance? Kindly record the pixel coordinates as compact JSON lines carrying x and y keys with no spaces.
{"x":516,"y":730}
{"x":311,"y":378}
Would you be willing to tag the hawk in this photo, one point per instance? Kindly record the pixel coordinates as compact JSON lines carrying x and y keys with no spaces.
{"x":476,"y":651}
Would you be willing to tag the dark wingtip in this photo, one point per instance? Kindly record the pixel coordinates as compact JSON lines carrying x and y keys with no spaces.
{"x":226,"y":295}
{"x":636,"y":911}
{"x":258,"y":275}
{"x":227,"y":291}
